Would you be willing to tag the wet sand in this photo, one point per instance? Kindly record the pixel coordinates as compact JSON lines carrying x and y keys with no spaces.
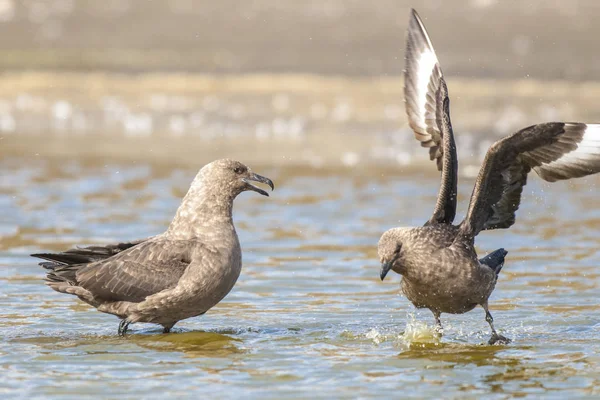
{"x":303,"y":120}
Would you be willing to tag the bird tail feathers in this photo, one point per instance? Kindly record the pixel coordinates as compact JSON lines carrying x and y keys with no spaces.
{"x":495,"y":260}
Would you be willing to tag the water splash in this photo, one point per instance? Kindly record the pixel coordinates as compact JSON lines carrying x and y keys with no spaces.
{"x":418,"y":332}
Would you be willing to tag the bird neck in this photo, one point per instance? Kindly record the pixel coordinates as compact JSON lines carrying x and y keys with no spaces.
{"x":201,"y":213}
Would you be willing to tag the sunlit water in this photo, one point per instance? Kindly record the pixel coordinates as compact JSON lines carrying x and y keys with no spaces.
{"x":308,"y":314}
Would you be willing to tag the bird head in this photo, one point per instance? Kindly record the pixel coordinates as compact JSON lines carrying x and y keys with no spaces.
{"x":232,"y":177}
{"x":390,"y":251}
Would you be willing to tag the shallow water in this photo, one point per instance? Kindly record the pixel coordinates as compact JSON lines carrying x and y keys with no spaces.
{"x":308,"y":314}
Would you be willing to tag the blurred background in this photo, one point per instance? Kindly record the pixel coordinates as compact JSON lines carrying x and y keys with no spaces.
{"x":296,"y":82}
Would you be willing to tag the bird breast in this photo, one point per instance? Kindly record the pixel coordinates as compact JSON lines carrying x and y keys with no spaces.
{"x":448,"y":281}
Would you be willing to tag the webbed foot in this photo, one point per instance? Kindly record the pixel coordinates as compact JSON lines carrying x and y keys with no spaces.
{"x":498,"y":339}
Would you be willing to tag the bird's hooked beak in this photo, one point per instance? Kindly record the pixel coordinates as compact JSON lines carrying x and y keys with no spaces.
{"x":257,"y":178}
{"x":385,"y":268}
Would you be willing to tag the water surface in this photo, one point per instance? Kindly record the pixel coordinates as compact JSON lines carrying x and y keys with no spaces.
{"x":308,"y":314}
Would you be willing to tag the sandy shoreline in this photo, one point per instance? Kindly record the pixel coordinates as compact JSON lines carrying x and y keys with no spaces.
{"x":285,"y":119}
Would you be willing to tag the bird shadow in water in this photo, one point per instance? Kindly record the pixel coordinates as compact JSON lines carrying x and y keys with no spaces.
{"x":192,"y":343}
{"x":458,"y":353}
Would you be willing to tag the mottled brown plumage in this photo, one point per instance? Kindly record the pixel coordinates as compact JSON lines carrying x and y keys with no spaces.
{"x":176,"y":275}
{"x":438,"y":263}
{"x":555,"y":150}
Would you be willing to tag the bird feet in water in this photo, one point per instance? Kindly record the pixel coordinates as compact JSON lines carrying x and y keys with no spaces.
{"x":123,"y":326}
{"x":498,"y":339}
{"x":167,"y":328}
{"x":438,"y":330}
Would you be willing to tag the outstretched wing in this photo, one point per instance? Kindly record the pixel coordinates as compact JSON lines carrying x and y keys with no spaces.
{"x":427,"y":107}
{"x":555,"y":151}
{"x":143,"y":270}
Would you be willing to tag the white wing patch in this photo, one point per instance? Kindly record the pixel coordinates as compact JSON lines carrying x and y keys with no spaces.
{"x":422,"y":77}
{"x":426,"y":64}
{"x":583,"y":160}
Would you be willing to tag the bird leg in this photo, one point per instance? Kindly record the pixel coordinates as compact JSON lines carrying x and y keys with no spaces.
{"x":167,"y":328}
{"x":496,"y":338}
{"x":123,"y":326}
{"x":438,"y":323}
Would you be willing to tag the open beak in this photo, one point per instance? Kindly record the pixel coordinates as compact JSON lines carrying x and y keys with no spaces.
{"x":258,"y":178}
{"x":385,"y":268}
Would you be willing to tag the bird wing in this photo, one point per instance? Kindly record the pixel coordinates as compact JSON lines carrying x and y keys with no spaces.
{"x":134,"y":274}
{"x":555,"y":151}
{"x":83,"y":255}
{"x":428,"y":110}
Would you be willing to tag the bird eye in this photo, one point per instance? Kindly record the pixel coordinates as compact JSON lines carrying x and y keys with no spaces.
{"x":238,"y":170}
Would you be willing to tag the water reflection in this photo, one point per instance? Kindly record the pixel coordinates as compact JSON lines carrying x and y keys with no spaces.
{"x":459,"y":353}
{"x":193,"y":344}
